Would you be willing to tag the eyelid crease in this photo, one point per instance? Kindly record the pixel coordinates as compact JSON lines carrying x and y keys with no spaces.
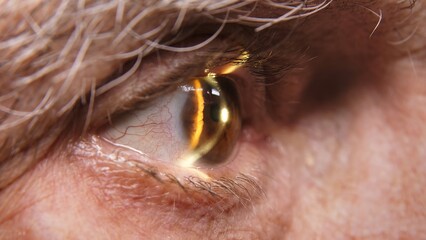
{"x":156,"y":76}
{"x":147,"y":83}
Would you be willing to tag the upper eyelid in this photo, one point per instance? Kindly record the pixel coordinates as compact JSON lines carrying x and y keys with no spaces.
{"x":155,"y":75}
{"x":145,"y":82}
{"x":161,"y":72}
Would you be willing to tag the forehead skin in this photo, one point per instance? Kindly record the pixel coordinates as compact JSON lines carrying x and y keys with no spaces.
{"x":52,"y":53}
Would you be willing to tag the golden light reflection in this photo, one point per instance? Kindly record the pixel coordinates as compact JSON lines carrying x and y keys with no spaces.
{"x":210,"y":74}
{"x":199,"y":116}
{"x":188,"y":163}
{"x":236,"y":64}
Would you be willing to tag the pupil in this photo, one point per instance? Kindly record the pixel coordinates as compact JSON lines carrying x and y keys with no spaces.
{"x":215,"y":112}
{"x":212,"y":103}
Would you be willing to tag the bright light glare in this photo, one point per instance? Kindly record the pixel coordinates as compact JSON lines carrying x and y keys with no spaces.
{"x":224,"y":115}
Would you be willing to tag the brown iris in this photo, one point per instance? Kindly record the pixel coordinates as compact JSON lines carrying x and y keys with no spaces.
{"x":211,"y":120}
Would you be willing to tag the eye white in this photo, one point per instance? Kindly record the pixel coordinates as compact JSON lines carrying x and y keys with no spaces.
{"x":155,"y":130}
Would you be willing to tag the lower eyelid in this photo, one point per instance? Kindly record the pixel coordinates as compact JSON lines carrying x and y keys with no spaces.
{"x":136,"y":184}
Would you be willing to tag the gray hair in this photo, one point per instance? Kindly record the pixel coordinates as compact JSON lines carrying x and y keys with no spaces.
{"x":48,"y":50}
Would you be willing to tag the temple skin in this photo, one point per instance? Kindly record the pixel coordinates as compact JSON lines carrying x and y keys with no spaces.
{"x":347,"y":161}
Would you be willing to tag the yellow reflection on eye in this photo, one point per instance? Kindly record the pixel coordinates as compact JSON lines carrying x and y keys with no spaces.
{"x":236,"y":64}
{"x":199,"y":115}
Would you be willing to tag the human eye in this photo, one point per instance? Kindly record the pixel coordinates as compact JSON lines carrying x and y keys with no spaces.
{"x":196,"y":124}
{"x":196,"y":137}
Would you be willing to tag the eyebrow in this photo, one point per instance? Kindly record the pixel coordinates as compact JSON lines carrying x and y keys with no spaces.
{"x":60,"y":51}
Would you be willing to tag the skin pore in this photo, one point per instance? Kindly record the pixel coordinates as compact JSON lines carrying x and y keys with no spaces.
{"x":336,"y":153}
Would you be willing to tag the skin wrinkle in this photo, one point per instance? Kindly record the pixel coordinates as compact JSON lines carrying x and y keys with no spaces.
{"x":55,"y":48}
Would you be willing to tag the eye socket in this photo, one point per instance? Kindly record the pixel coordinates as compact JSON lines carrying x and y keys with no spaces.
{"x":140,"y":144}
{"x":196,"y":125}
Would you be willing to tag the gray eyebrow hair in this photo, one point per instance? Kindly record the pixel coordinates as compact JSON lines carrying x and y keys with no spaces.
{"x":57,"y":52}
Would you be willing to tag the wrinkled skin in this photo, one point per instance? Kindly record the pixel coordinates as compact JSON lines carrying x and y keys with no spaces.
{"x":347,"y":161}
